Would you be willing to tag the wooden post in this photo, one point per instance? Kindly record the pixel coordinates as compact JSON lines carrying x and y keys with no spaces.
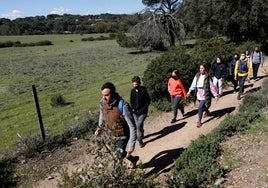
{"x":39,"y":113}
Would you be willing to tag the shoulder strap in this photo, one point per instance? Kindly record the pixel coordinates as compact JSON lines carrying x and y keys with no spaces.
{"x":120,"y":106}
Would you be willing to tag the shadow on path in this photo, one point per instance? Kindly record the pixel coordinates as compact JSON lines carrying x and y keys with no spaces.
{"x":162,"y":160}
{"x":165,"y":131}
{"x":219,"y":113}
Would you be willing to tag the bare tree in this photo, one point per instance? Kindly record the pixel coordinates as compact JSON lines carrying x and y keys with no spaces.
{"x":161,"y":27}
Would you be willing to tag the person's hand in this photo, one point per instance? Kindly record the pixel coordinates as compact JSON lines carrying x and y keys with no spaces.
{"x":130,"y":150}
{"x":97,"y":132}
{"x":235,"y":78}
{"x":217,"y":98}
{"x":188,"y":94}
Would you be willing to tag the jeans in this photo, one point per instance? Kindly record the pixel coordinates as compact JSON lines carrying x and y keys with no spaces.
{"x":175,"y":101}
{"x":121,"y":145}
{"x":255,"y":67}
{"x":242,"y":80}
{"x":201,"y":108}
{"x":139,"y":119}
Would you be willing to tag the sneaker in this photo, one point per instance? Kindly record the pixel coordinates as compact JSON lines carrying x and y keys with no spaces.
{"x":198,"y":124}
{"x":141,"y":145}
{"x":238,"y":97}
{"x":173,"y":121}
{"x":134,"y":161}
{"x":206,"y":114}
{"x":182,"y":111}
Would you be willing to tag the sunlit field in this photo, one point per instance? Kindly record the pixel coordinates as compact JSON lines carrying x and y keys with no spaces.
{"x":70,"y":67}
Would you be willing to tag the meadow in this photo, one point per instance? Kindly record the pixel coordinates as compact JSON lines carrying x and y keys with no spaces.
{"x":69,"y":67}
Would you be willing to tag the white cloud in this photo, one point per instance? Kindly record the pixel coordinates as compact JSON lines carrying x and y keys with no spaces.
{"x":12,"y":15}
{"x":60,"y":11}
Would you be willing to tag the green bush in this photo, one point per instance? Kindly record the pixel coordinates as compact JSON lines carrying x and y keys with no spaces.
{"x":124,"y":41}
{"x":106,"y":170}
{"x":7,"y":172}
{"x":159,"y":71}
{"x":207,"y":50}
{"x":57,"y":100}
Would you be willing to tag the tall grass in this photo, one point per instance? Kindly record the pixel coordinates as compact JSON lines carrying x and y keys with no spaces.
{"x":76,"y":70}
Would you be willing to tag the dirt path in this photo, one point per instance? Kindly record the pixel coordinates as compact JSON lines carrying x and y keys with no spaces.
{"x":165,"y":141}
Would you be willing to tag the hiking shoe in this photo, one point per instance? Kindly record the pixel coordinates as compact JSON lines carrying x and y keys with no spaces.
{"x":182,"y":112}
{"x":141,"y":145}
{"x":173,"y":121}
{"x":206,"y":114}
{"x":134,"y":161}
{"x":198,"y":124}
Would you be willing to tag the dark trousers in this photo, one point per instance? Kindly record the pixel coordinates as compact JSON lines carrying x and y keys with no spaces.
{"x":255,"y":67}
{"x":234,"y":82}
{"x":242,"y":80}
{"x":121,"y":145}
{"x":176,"y":103}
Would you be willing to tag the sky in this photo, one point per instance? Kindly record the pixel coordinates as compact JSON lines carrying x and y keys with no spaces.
{"x":13,"y":9}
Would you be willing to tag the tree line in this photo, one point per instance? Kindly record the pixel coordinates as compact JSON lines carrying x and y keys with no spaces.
{"x":67,"y":24}
{"x":163,"y":22}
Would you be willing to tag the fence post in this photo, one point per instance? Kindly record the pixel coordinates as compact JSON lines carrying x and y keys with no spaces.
{"x":39,"y":113}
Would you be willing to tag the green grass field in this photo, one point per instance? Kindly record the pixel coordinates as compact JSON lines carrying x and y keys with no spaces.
{"x":70,"y":67}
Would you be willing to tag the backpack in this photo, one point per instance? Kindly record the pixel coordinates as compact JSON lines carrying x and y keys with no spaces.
{"x":120,"y":105}
{"x":259,"y":56}
{"x":242,"y":67}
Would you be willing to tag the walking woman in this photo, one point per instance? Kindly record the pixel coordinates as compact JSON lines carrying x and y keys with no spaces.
{"x":177,"y":92}
{"x":202,"y":84}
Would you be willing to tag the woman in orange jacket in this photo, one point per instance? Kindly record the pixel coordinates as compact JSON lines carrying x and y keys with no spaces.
{"x":177,"y":91}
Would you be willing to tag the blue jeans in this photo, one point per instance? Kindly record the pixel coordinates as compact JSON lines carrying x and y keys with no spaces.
{"x":139,"y":119}
{"x":201,"y":108}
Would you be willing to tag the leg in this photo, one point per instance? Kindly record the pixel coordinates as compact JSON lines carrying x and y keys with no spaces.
{"x":241,"y":86}
{"x":121,"y":145}
{"x":215,"y":82}
{"x":220,"y":86}
{"x":257,"y":69}
{"x":174,"y":102}
{"x":200,"y":112}
{"x":234,"y":82}
{"x":140,"y":131}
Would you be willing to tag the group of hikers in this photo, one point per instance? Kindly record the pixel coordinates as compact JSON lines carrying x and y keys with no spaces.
{"x":126,"y":120}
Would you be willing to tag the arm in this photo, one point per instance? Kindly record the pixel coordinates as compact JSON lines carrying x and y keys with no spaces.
{"x":132,"y":127}
{"x":236,"y":69}
{"x":249,"y":69}
{"x":193,"y":86}
{"x":101,"y":122}
{"x":183,"y":89}
{"x":223,"y":73}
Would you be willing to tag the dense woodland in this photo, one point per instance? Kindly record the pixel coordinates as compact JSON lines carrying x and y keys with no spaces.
{"x":239,"y":20}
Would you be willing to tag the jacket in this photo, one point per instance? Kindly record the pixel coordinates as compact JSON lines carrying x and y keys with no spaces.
{"x":219,"y":70}
{"x":244,"y":73}
{"x":123,"y":126}
{"x":176,"y":88}
{"x":207,"y":89}
{"x":139,"y":100}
